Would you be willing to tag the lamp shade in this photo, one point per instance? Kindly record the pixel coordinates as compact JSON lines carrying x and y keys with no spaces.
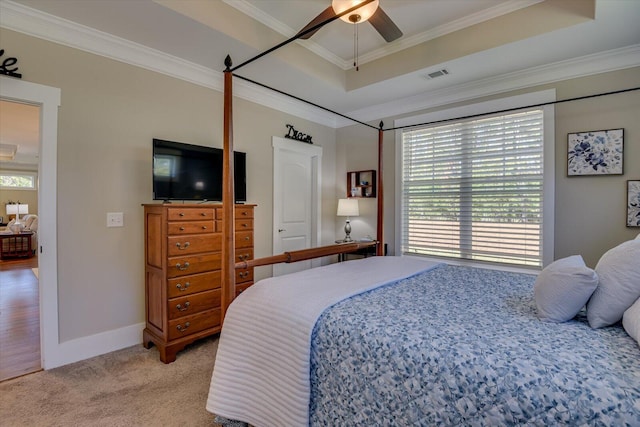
{"x":348,"y":207}
{"x":364,"y":13}
{"x":23,"y":209}
{"x":12,"y":209}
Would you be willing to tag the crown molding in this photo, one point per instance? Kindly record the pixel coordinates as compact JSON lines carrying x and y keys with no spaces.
{"x":22,"y":19}
{"x":612,"y":60}
{"x":19,"y":18}
{"x":403,"y":43}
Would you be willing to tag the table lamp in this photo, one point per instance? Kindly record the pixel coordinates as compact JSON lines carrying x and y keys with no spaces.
{"x":348,"y":208}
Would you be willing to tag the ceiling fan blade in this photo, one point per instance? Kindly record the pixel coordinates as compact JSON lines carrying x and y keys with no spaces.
{"x":385,"y":26}
{"x":328,"y":13}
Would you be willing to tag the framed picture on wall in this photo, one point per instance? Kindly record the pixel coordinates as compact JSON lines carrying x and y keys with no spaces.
{"x":595,"y":152}
{"x":633,"y":203}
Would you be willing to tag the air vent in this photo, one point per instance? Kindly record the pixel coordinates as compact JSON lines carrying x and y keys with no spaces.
{"x":436,"y":74}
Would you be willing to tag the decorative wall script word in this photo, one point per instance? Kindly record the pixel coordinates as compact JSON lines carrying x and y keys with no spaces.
{"x":299,"y":136}
{"x":7,"y":63}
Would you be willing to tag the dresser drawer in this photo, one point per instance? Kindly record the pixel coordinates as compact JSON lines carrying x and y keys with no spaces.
{"x":187,"y":285}
{"x":191,"y":227}
{"x":191,"y":324}
{"x":190,"y":214}
{"x":193,"y":244}
{"x":244,"y":254}
{"x":244,"y":239}
{"x":243,"y":224}
{"x":191,"y":264}
{"x":195,"y":303}
{"x":242,"y":287}
{"x":244,"y":212}
{"x":244,"y":275}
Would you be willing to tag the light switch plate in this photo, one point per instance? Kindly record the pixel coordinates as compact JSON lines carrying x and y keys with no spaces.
{"x":115,"y":219}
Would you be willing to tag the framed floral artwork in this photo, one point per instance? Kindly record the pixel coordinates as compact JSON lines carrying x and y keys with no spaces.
{"x":595,"y":152}
{"x":633,"y":203}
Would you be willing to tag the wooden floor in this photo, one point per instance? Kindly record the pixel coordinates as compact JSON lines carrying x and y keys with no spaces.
{"x":19,"y":318}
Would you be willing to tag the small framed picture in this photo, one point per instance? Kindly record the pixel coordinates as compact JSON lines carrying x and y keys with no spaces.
{"x":633,"y":203}
{"x":595,"y":152}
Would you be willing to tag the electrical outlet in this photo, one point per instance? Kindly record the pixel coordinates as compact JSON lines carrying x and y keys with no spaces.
{"x":115,"y":219}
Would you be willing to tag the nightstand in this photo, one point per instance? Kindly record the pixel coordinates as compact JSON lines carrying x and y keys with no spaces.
{"x":360,"y":253}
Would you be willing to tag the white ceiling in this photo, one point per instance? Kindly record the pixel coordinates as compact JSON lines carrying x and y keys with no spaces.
{"x":393,"y":76}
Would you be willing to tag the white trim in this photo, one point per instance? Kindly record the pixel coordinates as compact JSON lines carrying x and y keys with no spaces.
{"x":95,"y":345}
{"x":48,"y":98}
{"x":20,"y":18}
{"x":612,"y":60}
{"x":517,"y":101}
{"x":403,"y":43}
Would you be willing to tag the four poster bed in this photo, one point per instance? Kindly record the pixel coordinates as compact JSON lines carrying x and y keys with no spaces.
{"x":404,"y":341}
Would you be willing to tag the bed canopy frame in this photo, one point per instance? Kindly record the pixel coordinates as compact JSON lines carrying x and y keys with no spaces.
{"x":228,"y":232}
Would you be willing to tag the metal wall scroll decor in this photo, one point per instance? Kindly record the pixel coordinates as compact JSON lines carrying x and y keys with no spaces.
{"x":297,"y":135}
{"x":7,"y":66}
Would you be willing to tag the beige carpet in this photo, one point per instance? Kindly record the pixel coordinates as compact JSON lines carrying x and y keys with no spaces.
{"x":129,"y":387}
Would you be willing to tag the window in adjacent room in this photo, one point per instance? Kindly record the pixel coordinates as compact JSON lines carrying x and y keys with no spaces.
{"x":18,"y":180}
{"x":474,"y":189}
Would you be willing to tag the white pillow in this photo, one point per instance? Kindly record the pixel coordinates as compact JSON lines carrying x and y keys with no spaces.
{"x":619,"y":287}
{"x":563,"y":288}
{"x":631,"y":321}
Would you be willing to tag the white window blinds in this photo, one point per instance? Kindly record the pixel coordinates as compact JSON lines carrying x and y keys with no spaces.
{"x":474,"y":189}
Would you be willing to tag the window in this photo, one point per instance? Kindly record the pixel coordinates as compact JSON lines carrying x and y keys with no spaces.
{"x":475,"y":189}
{"x":18,"y":180}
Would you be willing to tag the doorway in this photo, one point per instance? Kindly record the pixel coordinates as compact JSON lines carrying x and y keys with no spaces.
{"x":48,"y":100}
{"x":296,"y":200}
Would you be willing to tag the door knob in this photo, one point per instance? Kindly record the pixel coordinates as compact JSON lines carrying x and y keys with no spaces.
{"x":280,"y":230}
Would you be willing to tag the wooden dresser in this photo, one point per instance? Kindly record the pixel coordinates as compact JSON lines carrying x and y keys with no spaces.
{"x":183,"y":257}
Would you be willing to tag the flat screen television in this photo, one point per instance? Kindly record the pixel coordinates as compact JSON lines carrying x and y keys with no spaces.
{"x":193,"y":172}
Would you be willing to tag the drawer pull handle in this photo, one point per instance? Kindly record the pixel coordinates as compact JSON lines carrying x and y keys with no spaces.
{"x":244,"y":213}
{"x":181,"y":228}
{"x":204,"y":227}
{"x":241,"y":257}
{"x":203,"y":214}
{"x":244,"y":224}
{"x":244,"y":274}
{"x":183,"y":288}
{"x":181,"y":246}
{"x":183,"y":328}
{"x":185,"y":308}
{"x":181,"y":213}
{"x":247,"y":238}
{"x":181,"y":267}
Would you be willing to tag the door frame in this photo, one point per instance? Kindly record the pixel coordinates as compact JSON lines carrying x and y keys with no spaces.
{"x":48,"y":99}
{"x":315,"y":153}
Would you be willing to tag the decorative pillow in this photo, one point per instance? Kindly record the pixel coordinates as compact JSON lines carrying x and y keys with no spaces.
{"x":619,"y":287}
{"x":631,"y":321}
{"x":563,"y":288}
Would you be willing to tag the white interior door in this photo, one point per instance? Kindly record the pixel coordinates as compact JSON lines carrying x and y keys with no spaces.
{"x":296,"y":201}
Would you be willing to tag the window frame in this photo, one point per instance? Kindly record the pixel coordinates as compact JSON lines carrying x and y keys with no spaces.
{"x":489,"y":107}
{"x":30,"y":174}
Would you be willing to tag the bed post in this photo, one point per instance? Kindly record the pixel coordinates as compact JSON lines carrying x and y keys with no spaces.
{"x":380,"y":223}
{"x":228,"y":202}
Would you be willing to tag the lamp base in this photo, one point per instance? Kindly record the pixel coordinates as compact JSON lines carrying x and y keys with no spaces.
{"x":347,"y":231}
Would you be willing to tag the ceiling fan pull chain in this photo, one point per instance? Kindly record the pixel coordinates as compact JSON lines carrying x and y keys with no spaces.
{"x":355,"y":46}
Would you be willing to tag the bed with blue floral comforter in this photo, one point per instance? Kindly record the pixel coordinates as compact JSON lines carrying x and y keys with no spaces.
{"x":463,"y":346}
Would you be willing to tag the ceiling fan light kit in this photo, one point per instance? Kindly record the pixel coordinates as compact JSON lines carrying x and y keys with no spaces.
{"x":359,"y":15}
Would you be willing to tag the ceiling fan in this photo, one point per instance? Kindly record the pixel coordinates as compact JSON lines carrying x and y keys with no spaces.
{"x":371,"y":12}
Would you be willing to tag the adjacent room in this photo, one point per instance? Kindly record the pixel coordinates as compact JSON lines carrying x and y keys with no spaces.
{"x":188,"y":188}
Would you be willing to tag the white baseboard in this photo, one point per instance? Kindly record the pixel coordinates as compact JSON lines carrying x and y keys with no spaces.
{"x":93,"y":345}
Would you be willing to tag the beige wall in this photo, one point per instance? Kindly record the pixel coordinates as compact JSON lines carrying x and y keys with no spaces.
{"x":29,"y":197}
{"x":109,"y":114}
{"x":590,"y":212}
